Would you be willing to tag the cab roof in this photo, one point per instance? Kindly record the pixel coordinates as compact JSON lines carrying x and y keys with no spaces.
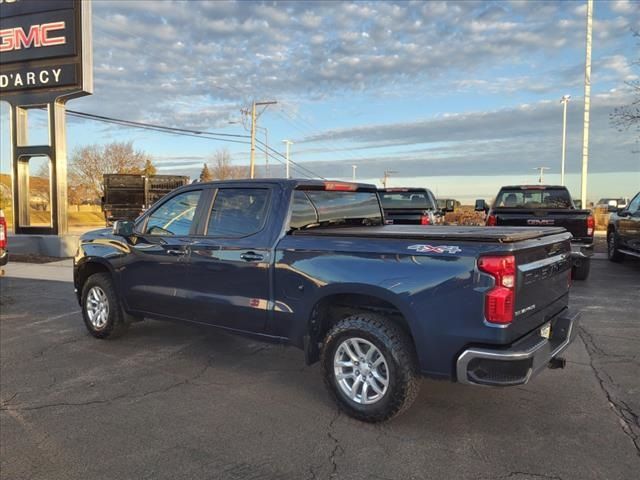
{"x":298,"y":184}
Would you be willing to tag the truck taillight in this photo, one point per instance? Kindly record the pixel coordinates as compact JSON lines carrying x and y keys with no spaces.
{"x":591,"y":225}
{"x":500,"y":300}
{"x":340,"y":186}
{"x":492,"y":221}
{"x":424,"y":220}
{"x":3,"y":231}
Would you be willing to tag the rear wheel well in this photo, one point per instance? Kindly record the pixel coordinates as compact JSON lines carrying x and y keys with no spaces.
{"x":330,"y":310}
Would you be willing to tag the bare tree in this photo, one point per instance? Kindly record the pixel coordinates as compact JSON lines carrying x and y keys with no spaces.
{"x":627,"y":117}
{"x":88,"y":165}
{"x":222,"y":169}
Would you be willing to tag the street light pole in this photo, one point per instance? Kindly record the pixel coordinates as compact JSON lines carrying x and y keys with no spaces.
{"x":387,"y":174}
{"x":564,"y":102}
{"x":541,"y":175}
{"x":587,"y":105}
{"x":353,"y":172}
{"x":287,"y":143}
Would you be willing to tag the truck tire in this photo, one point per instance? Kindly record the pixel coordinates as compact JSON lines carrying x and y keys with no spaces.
{"x":101,"y":309}
{"x":613,"y":253}
{"x":370,"y":367}
{"x":581,"y":272}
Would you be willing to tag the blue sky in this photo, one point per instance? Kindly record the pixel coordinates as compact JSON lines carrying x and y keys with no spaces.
{"x":458,"y":97}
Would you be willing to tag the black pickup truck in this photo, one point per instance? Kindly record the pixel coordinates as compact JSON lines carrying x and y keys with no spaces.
{"x":412,"y":206}
{"x":311,"y":264}
{"x":545,"y":206}
{"x":623,"y":231}
{"x":127,"y":195}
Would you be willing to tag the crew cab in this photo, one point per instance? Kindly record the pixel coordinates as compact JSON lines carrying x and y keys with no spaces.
{"x":623,"y":231}
{"x":412,"y":206}
{"x":545,"y":205}
{"x":311,"y":264}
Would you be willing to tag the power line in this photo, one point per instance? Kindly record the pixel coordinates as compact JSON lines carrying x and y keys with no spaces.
{"x":315,"y":175}
{"x":192,"y":133}
{"x":161,"y":128}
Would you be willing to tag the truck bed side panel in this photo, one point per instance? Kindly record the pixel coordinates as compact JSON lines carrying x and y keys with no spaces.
{"x":441,"y":295}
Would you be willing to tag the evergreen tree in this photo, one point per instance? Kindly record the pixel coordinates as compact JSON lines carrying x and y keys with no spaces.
{"x":205,"y":174}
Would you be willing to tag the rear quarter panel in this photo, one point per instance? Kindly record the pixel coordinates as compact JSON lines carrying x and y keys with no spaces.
{"x":441,"y":295}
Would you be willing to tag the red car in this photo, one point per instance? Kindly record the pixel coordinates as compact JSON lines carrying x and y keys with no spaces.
{"x":4,"y":255}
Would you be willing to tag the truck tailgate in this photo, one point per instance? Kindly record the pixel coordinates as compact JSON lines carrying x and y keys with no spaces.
{"x":574,"y":221}
{"x":542,"y":284}
{"x":407,"y":216}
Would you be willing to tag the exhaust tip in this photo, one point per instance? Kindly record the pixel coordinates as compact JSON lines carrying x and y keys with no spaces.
{"x":557,"y":362}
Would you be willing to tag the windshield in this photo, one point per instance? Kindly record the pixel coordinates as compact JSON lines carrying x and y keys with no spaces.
{"x":547,"y":198}
{"x":406,"y":200}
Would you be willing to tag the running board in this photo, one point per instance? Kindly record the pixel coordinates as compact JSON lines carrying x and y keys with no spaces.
{"x":629,"y":252}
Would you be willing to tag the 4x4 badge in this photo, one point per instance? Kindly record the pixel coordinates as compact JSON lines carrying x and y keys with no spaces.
{"x":435,"y":249}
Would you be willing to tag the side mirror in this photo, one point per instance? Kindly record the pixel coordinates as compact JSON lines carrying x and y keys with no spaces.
{"x":481,"y":206}
{"x":622,"y":212}
{"x":123,"y":228}
{"x":450,"y":206}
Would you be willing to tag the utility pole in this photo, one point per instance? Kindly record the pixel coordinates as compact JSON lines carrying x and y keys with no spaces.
{"x":287,"y":143}
{"x":387,"y":174}
{"x":266,"y":149}
{"x":587,"y":105}
{"x":254,"y":119}
{"x":564,"y":102}
{"x":541,"y":174}
{"x":353,"y":172}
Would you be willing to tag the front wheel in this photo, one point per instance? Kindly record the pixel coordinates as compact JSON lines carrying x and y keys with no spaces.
{"x":612,"y":248}
{"x":370,"y":367}
{"x":101,"y":309}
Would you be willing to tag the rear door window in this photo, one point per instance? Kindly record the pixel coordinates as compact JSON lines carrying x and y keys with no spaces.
{"x":238,"y":212}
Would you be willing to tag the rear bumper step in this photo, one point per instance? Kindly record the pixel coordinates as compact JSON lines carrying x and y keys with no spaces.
{"x":581,"y":250}
{"x":521,"y":361}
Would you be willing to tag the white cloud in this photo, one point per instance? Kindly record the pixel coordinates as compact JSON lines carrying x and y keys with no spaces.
{"x":150,"y":54}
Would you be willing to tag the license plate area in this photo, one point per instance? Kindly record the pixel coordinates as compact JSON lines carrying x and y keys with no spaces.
{"x":545,"y":331}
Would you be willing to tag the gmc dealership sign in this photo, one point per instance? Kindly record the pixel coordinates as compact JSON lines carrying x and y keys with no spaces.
{"x":45,"y":47}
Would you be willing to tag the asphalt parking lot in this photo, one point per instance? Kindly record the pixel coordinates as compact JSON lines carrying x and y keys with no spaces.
{"x":170,"y":401}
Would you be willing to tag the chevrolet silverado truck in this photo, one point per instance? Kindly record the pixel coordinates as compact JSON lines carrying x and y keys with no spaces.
{"x":412,"y":206}
{"x":311,"y":264}
{"x":545,"y":205}
{"x":623,"y":231}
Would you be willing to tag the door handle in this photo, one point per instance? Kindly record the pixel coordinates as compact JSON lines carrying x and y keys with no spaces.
{"x":251,"y":257}
{"x":171,"y":251}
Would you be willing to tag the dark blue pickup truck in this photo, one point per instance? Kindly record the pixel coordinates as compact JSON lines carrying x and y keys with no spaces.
{"x":313,"y":265}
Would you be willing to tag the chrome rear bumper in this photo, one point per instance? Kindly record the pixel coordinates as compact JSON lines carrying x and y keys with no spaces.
{"x":521,"y":361}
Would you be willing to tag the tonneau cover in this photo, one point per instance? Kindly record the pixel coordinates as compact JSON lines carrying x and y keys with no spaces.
{"x":467,"y":234}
